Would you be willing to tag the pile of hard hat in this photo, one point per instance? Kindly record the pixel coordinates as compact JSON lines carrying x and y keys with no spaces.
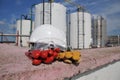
{"x":69,"y":56}
{"x":49,"y":44}
{"x":49,"y":55}
{"x":43,"y":56}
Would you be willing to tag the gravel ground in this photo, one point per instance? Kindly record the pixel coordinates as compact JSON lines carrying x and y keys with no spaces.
{"x":14,"y":65}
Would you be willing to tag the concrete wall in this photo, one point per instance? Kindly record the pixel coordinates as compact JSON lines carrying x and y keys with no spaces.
{"x":110,"y":72}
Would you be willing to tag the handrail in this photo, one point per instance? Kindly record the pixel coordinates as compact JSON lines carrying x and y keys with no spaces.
{"x":14,"y":35}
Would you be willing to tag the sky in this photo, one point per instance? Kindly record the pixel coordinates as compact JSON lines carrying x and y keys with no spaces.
{"x":11,"y":10}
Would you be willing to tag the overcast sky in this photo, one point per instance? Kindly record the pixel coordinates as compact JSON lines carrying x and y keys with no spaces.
{"x":10,"y":10}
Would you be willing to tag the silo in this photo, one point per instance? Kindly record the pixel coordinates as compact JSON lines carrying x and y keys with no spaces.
{"x":80,"y":30}
{"x":101,"y":31}
{"x":57,"y":16}
{"x":25,"y":31}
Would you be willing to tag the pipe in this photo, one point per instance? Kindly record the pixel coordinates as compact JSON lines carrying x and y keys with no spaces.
{"x":83,"y":31}
{"x":17,"y":38}
{"x":31,"y":22}
{"x":14,"y":35}
{"x":43,"y":11}
{"x":1,"y":37}
{"x":50,"y":11}
{"x":96,"y":34}
{"x":21,"y":31}
{"x":101,"y":32}
{"x":118,"y":40}
{"x":68,"y":28}
{"x":78,"y":10}
{"x":31,"y":19}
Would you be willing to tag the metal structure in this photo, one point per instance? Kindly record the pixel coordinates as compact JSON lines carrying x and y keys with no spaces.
{"x":23,"y":28}
{"x":31,"y":15}
{"x":4,"y":38}
{"x":68,"y":27}
{"x":54,"y":13}
{"x":80,"y":32}
{"x":99,"y":31}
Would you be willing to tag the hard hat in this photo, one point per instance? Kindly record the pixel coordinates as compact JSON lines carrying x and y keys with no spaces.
{"x":47,"y":33}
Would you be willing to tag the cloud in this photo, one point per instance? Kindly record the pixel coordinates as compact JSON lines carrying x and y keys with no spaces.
{"x":91,"y":3}
{"x":113,"y":24}
{"x":13,"y":18}
{"x":111,"y":13}
{"x":11,"y":26}
{"x":65,"y":3}
{"x":12,"y":23}
{"x":68,"y":2}
{"x":112,"y":9}
{"x":8,"y":27}
{"x":3,"y":26}
{"x":2,"y":22}
{"x":71,"y":8}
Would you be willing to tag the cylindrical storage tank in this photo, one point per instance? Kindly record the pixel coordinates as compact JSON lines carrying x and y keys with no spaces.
{"x":58,"y":15}
{"x":80,"y":30}
{"x":101,"y":31}
{"x":26,"y":24}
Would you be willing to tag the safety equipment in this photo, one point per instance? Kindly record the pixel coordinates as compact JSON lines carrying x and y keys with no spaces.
{"x":47,"y":33}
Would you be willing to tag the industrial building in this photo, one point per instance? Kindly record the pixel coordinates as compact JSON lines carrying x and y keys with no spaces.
{"x":47,"y":13}
{"x":50,"y":36}
{"x":81,"y":31}
{"x":113,"y":40}
{"x":99,"y":32}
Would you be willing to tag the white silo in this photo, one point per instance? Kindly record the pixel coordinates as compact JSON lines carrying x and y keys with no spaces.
{"x":57,"y":16}
{"x":26,"y":24}
{"x":80,"y":30}
{"x":99,"y":31}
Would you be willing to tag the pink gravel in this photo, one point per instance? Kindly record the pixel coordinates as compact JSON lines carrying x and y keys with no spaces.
{"x":14,"y":65}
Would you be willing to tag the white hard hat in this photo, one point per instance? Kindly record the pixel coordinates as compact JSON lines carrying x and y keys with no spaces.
{"x":48,"y":33}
